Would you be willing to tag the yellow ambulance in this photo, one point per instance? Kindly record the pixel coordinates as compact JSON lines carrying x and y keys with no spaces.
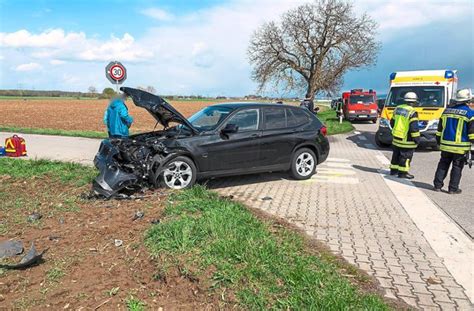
{"x":434,"y":89}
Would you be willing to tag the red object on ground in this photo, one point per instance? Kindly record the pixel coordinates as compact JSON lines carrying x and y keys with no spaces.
{"x":15,"y":146}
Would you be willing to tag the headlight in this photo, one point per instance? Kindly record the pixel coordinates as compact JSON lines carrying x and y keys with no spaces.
{"x":373,"y":111}
{"x":384,"y":123}
{"x":351,"y":111}
{"x":433,"y":125}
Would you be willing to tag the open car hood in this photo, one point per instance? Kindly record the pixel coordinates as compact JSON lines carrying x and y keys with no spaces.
{"x":161,"y":110}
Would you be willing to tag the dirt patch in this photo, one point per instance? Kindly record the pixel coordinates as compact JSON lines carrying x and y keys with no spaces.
{"x":70,"y":114}
{"x":83,"y":267}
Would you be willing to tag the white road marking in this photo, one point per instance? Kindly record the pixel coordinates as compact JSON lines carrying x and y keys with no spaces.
{"x":356,"y":132}
{"x":361,"y":137}
{"x":382,"y":159}
{"x":335,"y":171}
{"x":334,"y":179}
{"x":335,"y":164}
{"x":337,"y":160}
{"x":447,"y":240}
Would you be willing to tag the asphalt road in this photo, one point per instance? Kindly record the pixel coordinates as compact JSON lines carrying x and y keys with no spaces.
{"x":459,"y":207}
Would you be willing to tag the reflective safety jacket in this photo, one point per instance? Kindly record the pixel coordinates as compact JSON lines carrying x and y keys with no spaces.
{"x":405,"y":130}
{"x":456,"y":129}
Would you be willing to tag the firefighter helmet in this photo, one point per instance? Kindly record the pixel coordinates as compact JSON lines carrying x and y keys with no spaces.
{"x":463,"y":95}
{"x":410,"y":97}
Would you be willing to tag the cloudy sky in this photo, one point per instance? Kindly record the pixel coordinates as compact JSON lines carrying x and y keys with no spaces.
{"x":199,"y":46}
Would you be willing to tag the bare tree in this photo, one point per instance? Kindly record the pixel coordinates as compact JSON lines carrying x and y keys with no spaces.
{"x":150,"y":89}
{"x":92,"y":90}
{"x":312,"y":47}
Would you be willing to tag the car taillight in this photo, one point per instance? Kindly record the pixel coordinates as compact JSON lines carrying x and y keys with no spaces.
{"x":324,"y":130}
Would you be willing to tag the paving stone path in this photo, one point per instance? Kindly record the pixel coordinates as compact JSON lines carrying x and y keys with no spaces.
{"x":349,"y":207}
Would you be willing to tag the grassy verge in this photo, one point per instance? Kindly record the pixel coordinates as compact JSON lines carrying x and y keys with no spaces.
{"x":47,"y":187}
{"x":262,"y":263}
{"x":328,"y":117}
{"x":66,"y":172}
{"x":56,"y":132}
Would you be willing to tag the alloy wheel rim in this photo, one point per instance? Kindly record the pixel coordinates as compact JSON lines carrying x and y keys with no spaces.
{"x":178,"y":175}
{"x":305,"y":164}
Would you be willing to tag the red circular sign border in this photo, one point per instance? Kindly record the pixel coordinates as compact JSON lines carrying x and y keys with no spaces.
{"x":123,"y":72}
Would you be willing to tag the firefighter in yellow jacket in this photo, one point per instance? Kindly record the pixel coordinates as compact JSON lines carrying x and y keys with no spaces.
{"x":406,"y":136}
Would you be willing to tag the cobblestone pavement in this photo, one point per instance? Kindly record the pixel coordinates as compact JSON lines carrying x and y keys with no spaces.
{"x":349,"y":207}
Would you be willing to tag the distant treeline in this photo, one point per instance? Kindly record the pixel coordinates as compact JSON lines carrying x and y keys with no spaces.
{"x":109,"y":92}
{"x":31,"y":93}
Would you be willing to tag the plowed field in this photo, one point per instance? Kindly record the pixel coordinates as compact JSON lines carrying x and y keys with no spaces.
{"x":71,"y":114}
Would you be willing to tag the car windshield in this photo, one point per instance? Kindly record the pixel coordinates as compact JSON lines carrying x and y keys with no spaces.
{"x":428,"y":96}
{"x":209,"y":118}
{"x":361,"y":99}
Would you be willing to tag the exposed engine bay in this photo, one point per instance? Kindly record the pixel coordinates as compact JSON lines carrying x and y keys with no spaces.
{"x":128,"y":164}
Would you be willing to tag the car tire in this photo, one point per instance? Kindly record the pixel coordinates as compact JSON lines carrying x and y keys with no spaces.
{"x":303,"y":164}
{"x":179,"y":173}
{"x":374,"y":121}
{"x":379,"y":143}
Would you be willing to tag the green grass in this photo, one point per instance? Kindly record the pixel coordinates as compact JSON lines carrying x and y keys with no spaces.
{"x":77,"y":133}
{"x":66,"y":172}
{"x":133,"y":304}
{"x":267,"y":266}
{"x":54,"y":274}
{"x":328,"y":117}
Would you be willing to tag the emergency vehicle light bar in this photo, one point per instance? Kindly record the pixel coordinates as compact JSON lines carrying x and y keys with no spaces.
{"x":448,"y":74}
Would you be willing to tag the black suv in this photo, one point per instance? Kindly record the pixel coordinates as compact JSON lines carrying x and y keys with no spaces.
{"x":220,"y":140}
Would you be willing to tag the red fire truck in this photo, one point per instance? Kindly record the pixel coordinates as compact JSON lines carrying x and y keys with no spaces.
{"x":359,"y":105}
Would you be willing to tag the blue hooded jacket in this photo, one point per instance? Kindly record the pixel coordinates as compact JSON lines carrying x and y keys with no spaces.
{"x":116,"y":118}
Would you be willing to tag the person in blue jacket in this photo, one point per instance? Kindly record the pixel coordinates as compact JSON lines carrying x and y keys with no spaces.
{"x":117,"y":119}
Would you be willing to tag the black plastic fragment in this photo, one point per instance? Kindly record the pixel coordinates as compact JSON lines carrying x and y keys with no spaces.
{"x":10,"y":248}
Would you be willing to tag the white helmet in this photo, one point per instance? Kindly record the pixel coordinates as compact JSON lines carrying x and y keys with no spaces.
{"x":463,"y":95}
{"x":410,"y":97}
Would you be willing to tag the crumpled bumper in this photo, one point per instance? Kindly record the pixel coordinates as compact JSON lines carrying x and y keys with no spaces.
{"x":111,"y":178}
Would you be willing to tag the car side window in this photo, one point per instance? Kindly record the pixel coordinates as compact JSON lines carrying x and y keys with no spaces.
{"x":275,"y":118}
{"x":296,"y":117}
{"x":246,"y":120}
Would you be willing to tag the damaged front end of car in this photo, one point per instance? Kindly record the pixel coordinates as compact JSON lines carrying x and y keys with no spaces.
{"x":127,"y":165}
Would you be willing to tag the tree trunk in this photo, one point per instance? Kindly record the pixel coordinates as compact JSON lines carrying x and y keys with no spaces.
{"x":310,"y":92}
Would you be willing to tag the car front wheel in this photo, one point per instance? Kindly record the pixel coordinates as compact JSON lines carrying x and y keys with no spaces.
{"x":179,"y":173}
{"x":303,"y":164}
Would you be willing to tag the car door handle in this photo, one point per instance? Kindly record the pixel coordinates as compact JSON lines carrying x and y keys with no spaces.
{"x":255,"y":135}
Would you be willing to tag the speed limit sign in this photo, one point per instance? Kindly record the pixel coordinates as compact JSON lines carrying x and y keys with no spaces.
{"x":116,"y":72}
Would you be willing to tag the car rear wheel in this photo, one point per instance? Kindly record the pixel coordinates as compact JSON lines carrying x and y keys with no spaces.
{"x":303,"y":164}
{"x":179,"y":173}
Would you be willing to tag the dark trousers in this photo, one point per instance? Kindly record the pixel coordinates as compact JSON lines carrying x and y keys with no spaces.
{"x":456,"y":171}
{"x":401,"y":159}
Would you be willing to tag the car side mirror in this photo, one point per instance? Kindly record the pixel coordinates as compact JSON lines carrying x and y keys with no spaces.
{"x":230,"y":129}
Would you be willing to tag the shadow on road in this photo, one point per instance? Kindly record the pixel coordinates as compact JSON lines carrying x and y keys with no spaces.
{"x":233,"y":181}
{"x":418,"y":184}
{"x":366,"y":169}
